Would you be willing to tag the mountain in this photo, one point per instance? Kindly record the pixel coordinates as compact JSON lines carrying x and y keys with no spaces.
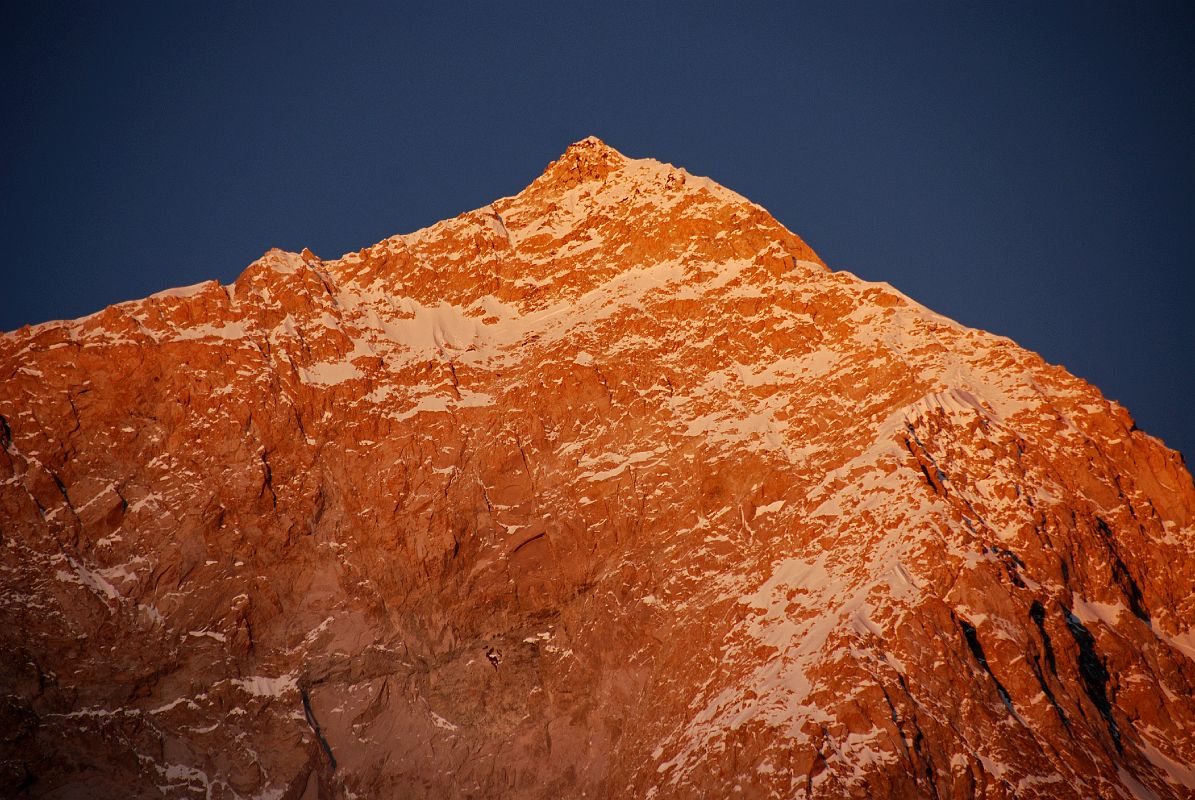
{"x":608,"y":489}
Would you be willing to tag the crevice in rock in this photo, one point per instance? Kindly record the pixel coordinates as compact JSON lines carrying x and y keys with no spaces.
{"x":66,"y":498}
{"x":941,"y":476}
{"x":74,"y":415}
{"x":1037,"y":613}
{"x":928,"y":479}
{"x":976,"y":648}
{"x":1035,"y":665}
{"x":1124,"y":497}
{"x":918,"y":738}
{"x":485,"y":495}
{"x":937,"y":478}
{"x":528,"y":541}
{"x":1011,"y":561}
{"x":526,"y":463}
{"x":1093,"y":673}
{"x":315,"y":728}
{"x":1122,"y":576}
{"x":267,"y":481}
{"x":929,"y":774}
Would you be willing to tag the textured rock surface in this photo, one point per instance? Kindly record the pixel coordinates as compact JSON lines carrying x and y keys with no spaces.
{"x":608,"y":489}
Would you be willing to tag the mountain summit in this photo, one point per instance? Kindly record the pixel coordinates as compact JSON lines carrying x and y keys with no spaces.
{"x":607,"y":489}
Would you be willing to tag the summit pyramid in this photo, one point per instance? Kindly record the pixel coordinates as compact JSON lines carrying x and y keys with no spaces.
{"x":612,"y":489}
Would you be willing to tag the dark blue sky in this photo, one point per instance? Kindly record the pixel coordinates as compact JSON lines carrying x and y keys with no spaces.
{"x":1024,"y":168}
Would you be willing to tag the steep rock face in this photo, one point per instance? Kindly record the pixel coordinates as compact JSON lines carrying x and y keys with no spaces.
{"x":608,"y":489}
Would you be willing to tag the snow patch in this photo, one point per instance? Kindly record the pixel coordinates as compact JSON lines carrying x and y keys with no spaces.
{"x":260,"y":686}
{"x":183,"y":291}
{"x":1089,"y":611}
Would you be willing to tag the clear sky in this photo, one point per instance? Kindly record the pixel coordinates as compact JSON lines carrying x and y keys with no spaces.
{"x":1027,"y":168}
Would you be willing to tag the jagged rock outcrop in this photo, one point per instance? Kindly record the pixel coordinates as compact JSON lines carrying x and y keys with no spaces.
{"x":607,"y":489}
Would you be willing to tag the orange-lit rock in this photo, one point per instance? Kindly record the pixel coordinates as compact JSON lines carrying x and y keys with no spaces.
{"x":608,"y":489}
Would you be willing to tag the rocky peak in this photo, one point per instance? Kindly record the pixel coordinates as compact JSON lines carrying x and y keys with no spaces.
{"x":592,"y":214}
{"x":587,"y":160}
{"x":607,"y":489}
